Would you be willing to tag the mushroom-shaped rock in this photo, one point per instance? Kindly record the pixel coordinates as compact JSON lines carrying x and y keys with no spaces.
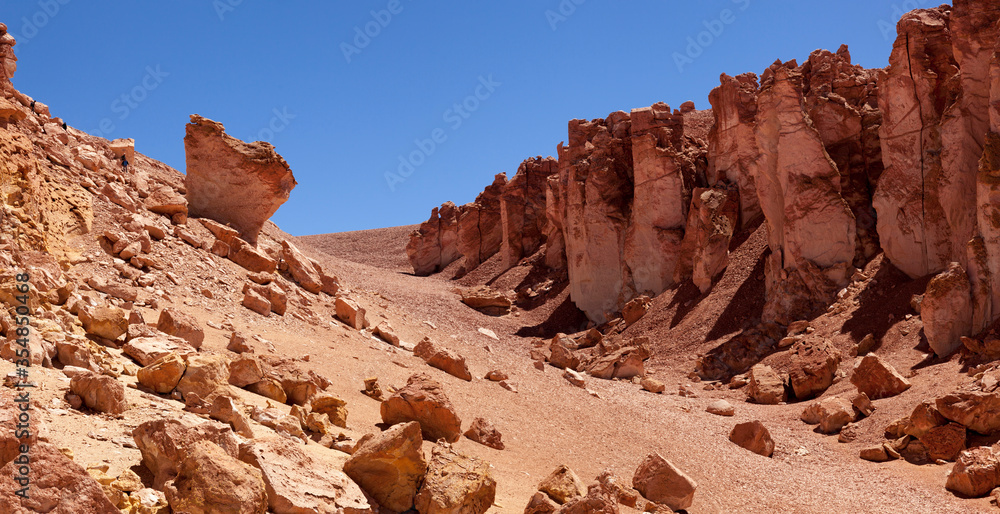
{"x":233,"y":182}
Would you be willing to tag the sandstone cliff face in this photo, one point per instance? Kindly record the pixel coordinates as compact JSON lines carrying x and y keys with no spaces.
{"x":811,"y":230}
{"x":523,"y":209}
{"x":480,"y":230}
{"x":434,"y":245}
{"x":732,"y":144}
{"x":598,"y":174}
{"x":232,"y":182}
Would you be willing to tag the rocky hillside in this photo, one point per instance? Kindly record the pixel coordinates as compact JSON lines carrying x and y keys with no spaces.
{"x":781,"y":304}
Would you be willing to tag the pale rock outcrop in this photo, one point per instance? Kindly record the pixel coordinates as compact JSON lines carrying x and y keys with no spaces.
{"x":434,"y":245}
{"x":523,"y":210}
{"x":163,"y":374}
{"x":390,"y":466}
{"x":841,"y":99}
{"x":233,"y":182}
{"x":555,"y":215}
{"x":934,"y":99}
{"x":946,"y":310}
{"x":811,"y":230}
{"x":596,"y":166}
{"x":661,"y":188}
{"x":712,"y":221}
{"x":658,"y":480}
{"x":732,"y":144}
{"x":480,"y":226}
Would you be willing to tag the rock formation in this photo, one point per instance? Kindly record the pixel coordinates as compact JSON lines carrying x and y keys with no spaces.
{"x":480,"y":231}
{"x":523,"y":209}
{"x":435,"y":244}
{"x":8,"y":61}
{"x":732,"y":145}
{"x":232,"y":182}
{"x":811,"y":230}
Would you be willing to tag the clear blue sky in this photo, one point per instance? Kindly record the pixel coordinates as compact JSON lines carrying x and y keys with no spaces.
{"x":279,"y":71}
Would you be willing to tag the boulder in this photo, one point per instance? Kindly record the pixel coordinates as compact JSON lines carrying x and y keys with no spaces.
{"x":224,"y":172}
{"x":562,"y":485}
{"x":924,"y":417}
{"x":658,"y":480}
{"x":877,"y":378}
{"x":245,"y":370}
{"x":652,"y":385}
{"x":423,"y":400}
{"x":486,"y":300}
{"x":946,"y":310}
{"x":484,"y":433}
{"x":106,"y":322}
{"x":209,"y":481}
{"x":100,"y":392}
{"x":635,"y":309}
{"x":386,"y":332}
{"x":813,"y":366}
{"x":145,"y":350}
{"x":296,"y":482}
{"x":269,"y":388}
{"x":540,"y":503}
{"x":163,"y":374}
{"x":976,"y":472}
{"x":205,"y":375}
{"x":597,"y":501}
{"x":721,"y":408}
{"x":225,"y":409}
{"x":979,"y":412}
{"x":944,"y":442}
{"x":623,"y":363}
{"x":765,"y":386}
{"x":256,"y":302}
{"x":753,"y":436}
{"x":285,"y":425}
{"x":249,"y":258}
{"x":58,"y":485}
{"x":166,"y":201}
{"x":333,"y":407}
{"x":443,"y":359}
{"x":304,"y":270}
{"x":179,"y":324}
{"x":165,"y":443}
{"x":351,"y":313}
{"x":455,"y":483}
{"x":390,"y":466}
{"x":831,"y":413}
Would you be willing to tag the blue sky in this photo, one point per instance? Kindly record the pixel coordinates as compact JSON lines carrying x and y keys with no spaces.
{"x":460,"y":90}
